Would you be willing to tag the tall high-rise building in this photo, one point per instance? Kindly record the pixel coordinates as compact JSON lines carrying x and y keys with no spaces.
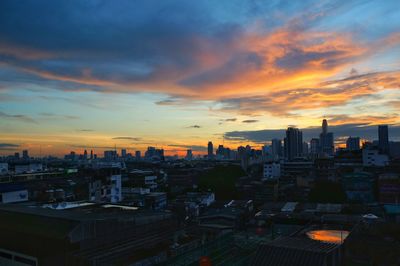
{"x":137,"y":155}
{"x":189,"y":155}
{"x":154,"y":154}
{"x":306,"y":149}
{"x":85,"y":155}
{"x":314,"y":146}
{"x":324,"y":126}
{"x":110,"y":155}
{"x":25,"y":155}
{"x":91,"y":155}
{"x":353,"y":143}
{"x":123,"y":153}
{"x":383,"y":134}
{"x":326,"y":142}
{"x":293,"y":143}
{"x":276,"y":148}
{"x":210,"y":149}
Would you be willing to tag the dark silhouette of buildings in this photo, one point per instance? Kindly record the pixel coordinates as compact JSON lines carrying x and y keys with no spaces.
{"x":326,"y":140}
{"x":293,"y":143}
{"x":383,"y":138}
{"x":353,"y":144}
{"x":210,"y":149}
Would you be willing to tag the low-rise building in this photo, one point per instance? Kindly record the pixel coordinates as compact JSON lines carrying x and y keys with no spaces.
{"x":156,"y":200}
{"x":10,"y":193}
{"x":298,"y":167}
{"x":3,"y":168}
{"x":359,"y":187}
{"x":106,"y":185}
{"x":272,"y":170}
{"x":28,"y":168}
{"x":205,"y":198}
{"x":82,"y":234}
{"x":372,"y":157}
{"x":389,"y":188}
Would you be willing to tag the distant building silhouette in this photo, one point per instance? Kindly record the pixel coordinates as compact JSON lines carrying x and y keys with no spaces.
{"x":314,"y":146}
{"x":326,"y":140}
{"x":25,"y":155}
{"x":110,"y":155}
{"x":189,"y":155}
{"x":353,"y":143}
{"x":383,"y":138}
{"x":138,"y":155}
{"x":276,"y":148}
{"x":293,"y":143}
{"x":210,"y":149}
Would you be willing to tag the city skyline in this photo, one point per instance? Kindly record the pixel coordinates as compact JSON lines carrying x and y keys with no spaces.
{"x":324,"y":146}
{"x":93,"y":75}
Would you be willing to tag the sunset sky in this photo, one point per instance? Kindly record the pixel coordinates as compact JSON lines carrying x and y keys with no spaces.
{"x":176,"y":74}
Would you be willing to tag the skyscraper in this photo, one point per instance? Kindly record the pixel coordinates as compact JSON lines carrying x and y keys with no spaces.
{"x":314,"y":146}
{"x":25,"y":155}
{"x":293,"y":143}
{"x":276,"y":148}
{"x":210,"y":149}
{"x":383,"y":134}
{"x":138,"y":155}
{"x":306,"y":149}
{"x":326,"y":143}
{"x":324,"y":126}
{"x":353,"y":143}
{"x":110,"y":155}
{"x":189,"y":155}
{"x":123,"y":153}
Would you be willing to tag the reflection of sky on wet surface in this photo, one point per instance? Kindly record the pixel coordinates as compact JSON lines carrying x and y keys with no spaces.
{"x":330,"y":236}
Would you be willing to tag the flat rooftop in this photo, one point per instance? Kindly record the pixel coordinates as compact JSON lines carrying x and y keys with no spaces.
{"x":82,"y":211}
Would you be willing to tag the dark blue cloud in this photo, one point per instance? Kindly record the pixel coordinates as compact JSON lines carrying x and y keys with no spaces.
{"x":297,"y":59}
{"x":355,"y":130}
{"x":234,"y":67}
{"x":8,"y":146}
{"x":124,"y":42}
{"x":139,"y":41}
{"x":178,"y":147}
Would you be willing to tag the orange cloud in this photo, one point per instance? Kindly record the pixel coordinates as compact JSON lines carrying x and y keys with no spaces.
{"x":278,"y":72}
{"x":370,"y":120}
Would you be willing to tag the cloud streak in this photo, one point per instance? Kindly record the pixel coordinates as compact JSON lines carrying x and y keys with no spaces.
{"x":8,"y":146}
{"x":248,"y":121}
{"x":127,"y":138}
{"x":17,"y":117}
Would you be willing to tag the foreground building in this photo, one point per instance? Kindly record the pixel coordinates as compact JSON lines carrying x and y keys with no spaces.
{"x":83,"y":234}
